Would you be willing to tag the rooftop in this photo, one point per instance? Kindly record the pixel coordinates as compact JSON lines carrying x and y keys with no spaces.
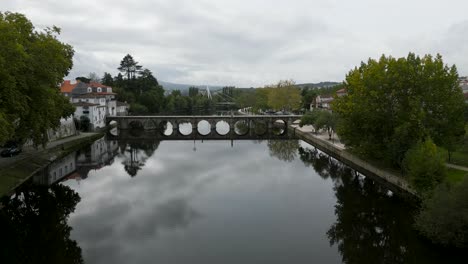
{"x":67,"y":86}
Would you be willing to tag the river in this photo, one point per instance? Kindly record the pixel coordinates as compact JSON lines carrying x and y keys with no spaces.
{"x":209,"y":202}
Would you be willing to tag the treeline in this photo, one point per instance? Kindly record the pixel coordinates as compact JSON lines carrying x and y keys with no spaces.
{"x":284,"y":95}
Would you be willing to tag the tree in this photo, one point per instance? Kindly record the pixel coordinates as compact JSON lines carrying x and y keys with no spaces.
{"x":308,"y":97}
{"x":153,"y":100}
{"x":93,"y":77}
{"x":32,"y":64}
{"x":284,"y":96}
{"x":129,"y":66}
{"x":466,"y":113}
{"x":425,"y":166}
{"x":137,"y":108}
{"x":107,"y":79}
{"x":444,"y":215}
{"x":83,"y":79}
{"x":261,"y":98}
{"x":394,"y":103}
{"x":193,"y":91}
{"x":320,"y":119}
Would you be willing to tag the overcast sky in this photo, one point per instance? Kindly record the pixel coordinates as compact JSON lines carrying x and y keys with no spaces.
{"x":250,"y":43}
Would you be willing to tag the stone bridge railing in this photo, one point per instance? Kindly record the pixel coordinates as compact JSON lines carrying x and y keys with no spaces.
{"x":255,"y":125}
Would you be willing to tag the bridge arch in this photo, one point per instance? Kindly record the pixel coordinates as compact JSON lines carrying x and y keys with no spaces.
{"x":279,"y":127}
{"x":203,"y":127}
{"x":241,"y":127}
{"x":222,"y":127}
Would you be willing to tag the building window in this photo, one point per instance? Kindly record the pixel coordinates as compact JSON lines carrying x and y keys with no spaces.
{"x":99,"y":89}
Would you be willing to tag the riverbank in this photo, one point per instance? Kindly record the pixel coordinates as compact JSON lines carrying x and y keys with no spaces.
{"x":394,"y":181}
{"x":16,"y":170}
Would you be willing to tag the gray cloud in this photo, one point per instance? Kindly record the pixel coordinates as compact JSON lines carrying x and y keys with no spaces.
{"x":250,"y":44}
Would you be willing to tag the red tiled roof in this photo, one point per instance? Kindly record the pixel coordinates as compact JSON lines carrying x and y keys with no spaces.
{"x":67,"y":87}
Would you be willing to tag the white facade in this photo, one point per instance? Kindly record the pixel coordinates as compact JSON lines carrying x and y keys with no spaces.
{"x":96,"y":114}
{"x":112,"y":107}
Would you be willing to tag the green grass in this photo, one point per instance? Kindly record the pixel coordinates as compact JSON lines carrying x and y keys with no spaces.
{"x":460,"y":156}
{"x":454,"y":176}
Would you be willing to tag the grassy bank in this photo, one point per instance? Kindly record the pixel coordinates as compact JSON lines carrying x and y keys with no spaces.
{"x":460,"y":156}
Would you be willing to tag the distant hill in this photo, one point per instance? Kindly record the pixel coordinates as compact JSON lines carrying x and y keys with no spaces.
{"x":318,"y":85}
{"x":184,"y":87}
{"x":168,"y":86}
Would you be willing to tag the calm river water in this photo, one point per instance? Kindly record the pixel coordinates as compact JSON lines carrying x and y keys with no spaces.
{"x":209,"y":202}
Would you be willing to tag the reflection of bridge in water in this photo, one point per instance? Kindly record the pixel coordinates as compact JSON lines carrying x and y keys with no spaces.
{"x":203,"y":127}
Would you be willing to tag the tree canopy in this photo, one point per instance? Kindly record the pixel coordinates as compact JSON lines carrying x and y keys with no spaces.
{"x":129,"y":66}
{"x":394,"y":103}
{"x":284,"y":95}
{"x":32,"y":65}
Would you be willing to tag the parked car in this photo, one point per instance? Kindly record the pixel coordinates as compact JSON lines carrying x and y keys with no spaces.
{"x":10,"y":150}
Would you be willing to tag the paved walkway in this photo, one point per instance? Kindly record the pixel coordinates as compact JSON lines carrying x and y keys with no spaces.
{"x":321,"y":135}
{"x":453,"y":166}
{"x":337,"y":143}
{"x":31,"y":151}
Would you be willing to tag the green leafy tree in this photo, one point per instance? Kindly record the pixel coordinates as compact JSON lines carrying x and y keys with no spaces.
{"x":107,"y":79}
{"x":425,"y":166}
{"x":261,"y":98}
{"x":153,"y":100}
{"x":308,"y":97}
{"x":193,"y":91}
{"x":320,"y":119}
{"x":466,"y":113}
{"x":394,"y":103}
{"x":284,"y":95}
{"x":137,"y":108}
{"x":444,"y":215}
{"x":32,"y":63}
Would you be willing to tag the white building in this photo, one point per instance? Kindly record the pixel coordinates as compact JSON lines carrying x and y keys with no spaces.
{"x":95,"y":112}
{"x":94,"y":100}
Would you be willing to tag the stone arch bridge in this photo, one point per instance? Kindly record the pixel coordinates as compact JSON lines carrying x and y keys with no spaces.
{"x":235,"y":126}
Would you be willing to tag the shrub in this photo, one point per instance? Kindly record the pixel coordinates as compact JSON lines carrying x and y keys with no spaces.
{"x":424,"y":165}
